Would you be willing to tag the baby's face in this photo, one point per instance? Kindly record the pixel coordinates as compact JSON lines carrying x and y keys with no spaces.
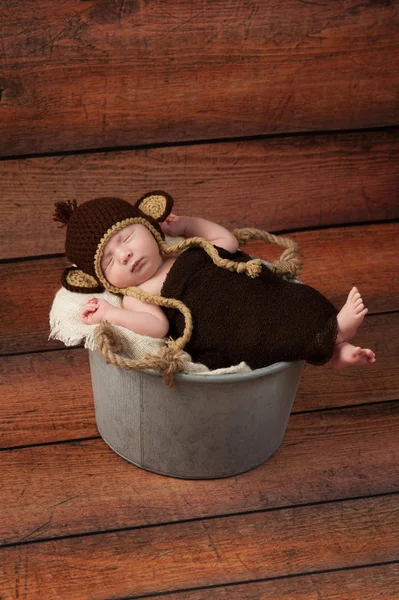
{"x":131,"y":256}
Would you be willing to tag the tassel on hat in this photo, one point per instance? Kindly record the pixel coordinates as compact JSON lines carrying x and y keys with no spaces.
{"x":63,"y":211}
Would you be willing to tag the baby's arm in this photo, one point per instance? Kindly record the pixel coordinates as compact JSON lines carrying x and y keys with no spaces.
{"x":142,"y":318}
{"x":195,"y":226}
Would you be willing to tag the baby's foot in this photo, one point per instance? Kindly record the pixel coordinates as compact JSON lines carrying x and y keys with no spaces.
{"x":350,"y":316}
{"x":346,"y":354}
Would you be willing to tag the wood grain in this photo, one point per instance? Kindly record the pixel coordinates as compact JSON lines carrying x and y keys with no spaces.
{"x":327,"y":387}
{"x":206,"y":552}
{"x":83,"y":487}
{"x":334,"y":260}
{"x":370,"y":583}
{"x":274,"y":184}
{"x":28,"y":289}
{"x":103,"y":73}
{"x":47,"y":397}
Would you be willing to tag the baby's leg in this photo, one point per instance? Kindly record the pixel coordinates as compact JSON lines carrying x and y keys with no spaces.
{"x":350,"y":316}
{"x":346,"y":354}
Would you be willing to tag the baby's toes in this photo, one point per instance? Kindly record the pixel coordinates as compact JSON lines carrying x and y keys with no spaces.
{"x":369,"y":354}
{"x":358,"y":307}
{"x":352,"y":293}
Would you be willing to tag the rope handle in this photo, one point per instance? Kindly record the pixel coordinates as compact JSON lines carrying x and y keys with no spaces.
{"x":288,"y":264}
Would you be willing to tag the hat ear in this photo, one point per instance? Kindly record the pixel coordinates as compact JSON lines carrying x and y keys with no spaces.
{"x":75,"y":280}
{"x":157,"y":205}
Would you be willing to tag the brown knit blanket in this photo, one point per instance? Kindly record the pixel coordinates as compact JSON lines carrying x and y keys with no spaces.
{"x":237,"y":318}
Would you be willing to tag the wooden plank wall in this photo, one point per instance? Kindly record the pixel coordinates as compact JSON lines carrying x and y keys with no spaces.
{"x":106,"y":73}
{"x":279,"y":115}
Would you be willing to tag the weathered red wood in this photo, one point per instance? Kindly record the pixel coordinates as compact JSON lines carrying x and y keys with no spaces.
{"x":206,"y":552}
{"x":48,"y":397}
{"x":97,"y":74}
{"x":273,"y":184}
{"x":334,"y":260}
{"x":28,"y":289}
{"x":326,"y":387}
{"x":81,"y":487}
{"x":370,"y":583}
{"x":363,"y":256}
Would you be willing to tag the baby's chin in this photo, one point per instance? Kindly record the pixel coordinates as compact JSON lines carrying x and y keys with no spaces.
{"x":125,"y":283}
{"x":131,"y":281}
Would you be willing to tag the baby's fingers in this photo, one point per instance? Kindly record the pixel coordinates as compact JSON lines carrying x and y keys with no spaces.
{"x":167,"y":225}
{"x":89,"y":310}
{"x":170,"y":218}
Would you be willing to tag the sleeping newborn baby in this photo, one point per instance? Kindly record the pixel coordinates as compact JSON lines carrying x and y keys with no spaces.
{"x":239,"y":312}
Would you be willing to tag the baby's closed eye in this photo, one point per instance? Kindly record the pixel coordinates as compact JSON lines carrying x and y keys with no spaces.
{"x":108,"y":263}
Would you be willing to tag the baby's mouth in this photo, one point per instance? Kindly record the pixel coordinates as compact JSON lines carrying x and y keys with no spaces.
{"x":136,"y":264}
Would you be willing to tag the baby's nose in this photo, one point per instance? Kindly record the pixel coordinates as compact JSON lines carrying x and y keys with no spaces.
{"x":124,"y":255}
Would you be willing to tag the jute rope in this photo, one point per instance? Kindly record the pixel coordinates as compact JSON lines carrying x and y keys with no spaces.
{"x":171,"y":359}
{"x":161,"y":301}
{"x":168,"y":361}
{"x":288,"y":263}
{"x":252,"y":268}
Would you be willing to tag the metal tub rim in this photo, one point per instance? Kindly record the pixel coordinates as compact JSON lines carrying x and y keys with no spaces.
{"x":227,"y":377}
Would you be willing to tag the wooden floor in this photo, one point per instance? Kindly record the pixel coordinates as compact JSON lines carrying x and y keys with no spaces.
{"x":318,"y":520}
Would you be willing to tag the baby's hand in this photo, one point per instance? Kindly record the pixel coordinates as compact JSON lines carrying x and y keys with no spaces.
{"x":173,"y":225}
{"x":95,"y":311}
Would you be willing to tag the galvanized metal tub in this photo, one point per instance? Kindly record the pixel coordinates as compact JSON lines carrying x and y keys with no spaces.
{"x":205,"y":427}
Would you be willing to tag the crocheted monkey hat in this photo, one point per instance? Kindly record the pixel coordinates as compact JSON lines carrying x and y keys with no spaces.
{"x":89,"y":227}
